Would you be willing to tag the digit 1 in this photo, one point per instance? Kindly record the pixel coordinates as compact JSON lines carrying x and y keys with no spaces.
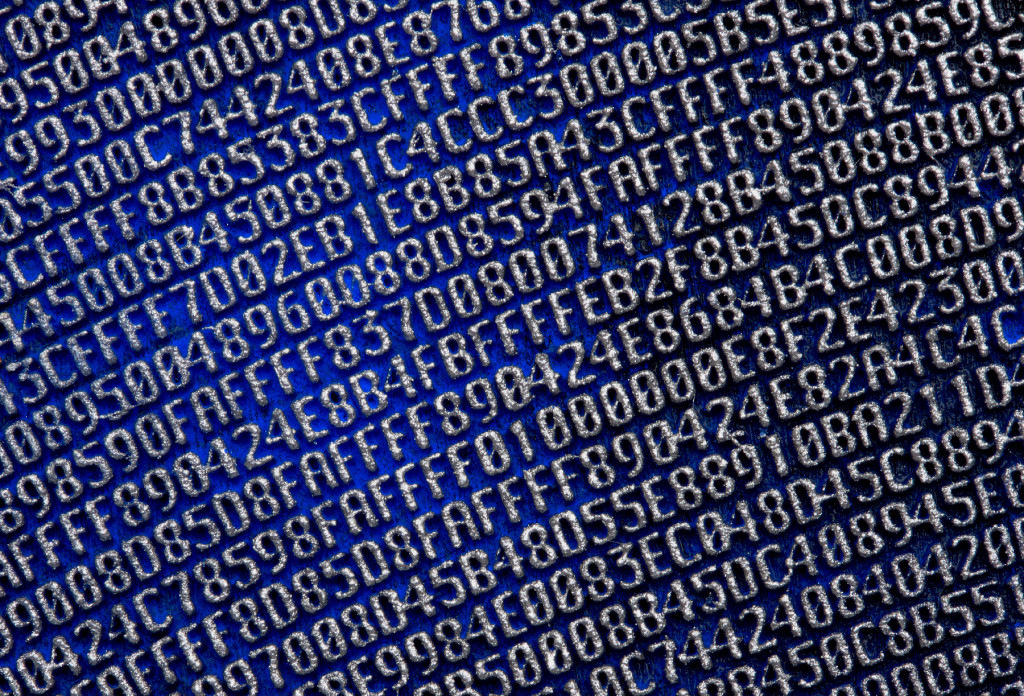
{"x":1018,"y":593}
{"x":3,"y":11}
{"x":359,"y":158}
{"x":7,"y":400}
{"x":364,"y":223}
{"x":960,"y":384}
{"x":6,"y":466}
{"x":524,"y":441}
{"x":774,"y":445}
{"x":934,"y":412}
{"x":646,"y":214}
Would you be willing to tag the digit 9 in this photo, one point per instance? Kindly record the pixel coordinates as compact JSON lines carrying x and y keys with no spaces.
{"x":267,"y":326}
{"x":12,"y":98}
{"x":189,"y":13}
{"x":965,"y":13}
{"x":390,"y":663}
{"x":480,"y":395}
{"x":536,"y":40}
{"x":269,"y":547}
{"x":51,"y":133}
{"x":239,"y":675}
{"x":868,"y":39}
{"x":21,"y":148}
{"x":160,"y":486}
{"x":931,"y":182}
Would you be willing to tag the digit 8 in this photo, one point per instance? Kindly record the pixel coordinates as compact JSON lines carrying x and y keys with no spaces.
{"x":417,"y":267}
{"x":944,"y":232}
{"x":176,"y":548}
{"x":594,"y":572}
{"x":128,"y":497}
{"x":894,"y":627}
{"x":689,"y":496}
{"x":54,"y":30}
{"x":714,"y":210}
{"x":809,"y":70}
{"x":304,"y":198}
{"x":357,"y":619}
{"x":868,"y":541}
{"x":363,"y":11}
{"x":158,"y":210}
{"x":813,"y":380}
{"x":264,"y":504}
{"x":11,"y":518}
{"x":485,"y":183}
{"x":773,"y":505}
{"x":904,"y":41}
{"x":769,"y":356}
{"x":924,"y":453}
{"x":157,"y":268}
{"x":903,"y":203}
{"x":599,"y":473}
{"x":714,"y":469}
{"x":712,"y":265}
{"x":305,"y":129}
{"x":65,"y":484}
{"x":846,"y":590}
{"x":984,"y":73}
{"x":246,"y":614}
{"x":300,"y":34}
{"x":422,"y":39}
{"x":503,"y":50}
{"x":385,"y":280}
{"x":424,"y":207}
{"x":449,"y":634}
{"x":571,"y":41}
{"x":838,"y":56}
{"x":454,"y":420}
{"x":161,"y":35}
{"x":868,"y":144}
{"x":959,"y":457}
{"x":728,"y":315}
{"x":365,"y":61}
{"x":332,"y":176}
{"x":48,"y":420}
{"x":666,"y":339}
{"x":616,"y":620}
{"x":229,"y":333}
{"x":496,"y":288}
{"x":110,"y":567}
{"x":901,"y":137}
{"x":312,"y":597}
{"x":767,"y":138}
{"x":214,"y":169}
{"x":304,"y":544}
{"x":399,"y":540}
{"x":479,"y":244}
{"x":535,"y":539}
{"x":215,"y":588}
